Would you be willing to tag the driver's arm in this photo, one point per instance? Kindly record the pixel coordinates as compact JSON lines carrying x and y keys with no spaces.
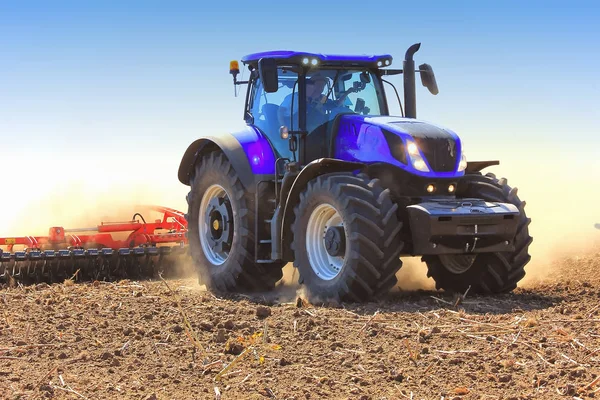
{"x":346,"y":93}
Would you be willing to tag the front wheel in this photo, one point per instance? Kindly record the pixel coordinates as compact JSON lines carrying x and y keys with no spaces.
{"x":485,"y":272}
{"x":346,"y":238}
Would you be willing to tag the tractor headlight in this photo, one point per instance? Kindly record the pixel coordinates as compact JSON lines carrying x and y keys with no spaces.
{"x":416,"y":159}
{"x":420,"y":164}
{"x":412,"y":148}
{"x":462,"y":165}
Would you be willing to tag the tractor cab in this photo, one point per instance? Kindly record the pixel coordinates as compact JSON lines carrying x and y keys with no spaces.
{"x":297,"y":99}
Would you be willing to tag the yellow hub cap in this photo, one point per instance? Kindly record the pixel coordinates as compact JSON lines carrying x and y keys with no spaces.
{"x":216,"y":225}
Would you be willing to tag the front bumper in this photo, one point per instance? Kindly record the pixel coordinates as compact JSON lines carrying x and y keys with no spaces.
{"x":464,"y":226}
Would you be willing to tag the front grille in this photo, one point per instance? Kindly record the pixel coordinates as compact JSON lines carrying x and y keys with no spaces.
{"x":439,"y":152}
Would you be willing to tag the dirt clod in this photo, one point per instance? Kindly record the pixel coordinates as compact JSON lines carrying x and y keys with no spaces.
{"x":206,"y":326}
{"x":283,"y":362}
{"x":397,"y":376}
{"x":220,"y":336}
{"x":47,"y":388}
{"x":233,"y":347}
{"x":229,"y":325}
{"x":263,"y":312}
{"x":335,"y":345}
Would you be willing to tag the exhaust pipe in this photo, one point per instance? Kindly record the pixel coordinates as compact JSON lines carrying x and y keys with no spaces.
{"x":410,"y":92}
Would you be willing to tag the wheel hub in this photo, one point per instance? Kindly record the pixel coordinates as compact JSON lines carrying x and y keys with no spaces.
{"x":335,"y":241}
{"x":325,"y":242}
{"x":457,"y":263}
{"x":216,"y":224}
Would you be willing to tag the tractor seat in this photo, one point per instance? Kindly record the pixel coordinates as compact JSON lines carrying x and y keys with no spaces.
{"x":271,"y":123}
{"x":267,"y":120}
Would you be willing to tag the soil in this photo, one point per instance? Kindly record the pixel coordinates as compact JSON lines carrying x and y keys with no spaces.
{"x":131,"y":340}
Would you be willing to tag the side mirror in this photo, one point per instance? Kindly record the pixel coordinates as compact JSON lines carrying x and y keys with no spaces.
{"x":267,"y":70}
{"x":428,"y":78}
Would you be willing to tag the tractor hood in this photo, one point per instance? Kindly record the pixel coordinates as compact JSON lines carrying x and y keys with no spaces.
{"x":411,"y":127}
{"x":417,"y":146}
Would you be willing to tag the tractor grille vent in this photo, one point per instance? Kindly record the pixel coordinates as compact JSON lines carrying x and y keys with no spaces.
{"x":440,"y":152}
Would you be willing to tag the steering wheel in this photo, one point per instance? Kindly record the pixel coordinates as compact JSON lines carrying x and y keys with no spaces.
{"x":356,"y":87}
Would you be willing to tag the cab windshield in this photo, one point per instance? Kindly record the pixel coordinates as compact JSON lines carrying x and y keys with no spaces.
{"x":333,"y":92}
{"x":329,"y":92}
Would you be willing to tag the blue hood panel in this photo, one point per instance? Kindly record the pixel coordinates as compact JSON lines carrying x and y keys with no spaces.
{"x":407,"y":126}
{"x":384,"y":139}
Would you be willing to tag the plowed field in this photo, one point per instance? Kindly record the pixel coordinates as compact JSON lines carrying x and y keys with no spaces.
{"x":147,"y":340}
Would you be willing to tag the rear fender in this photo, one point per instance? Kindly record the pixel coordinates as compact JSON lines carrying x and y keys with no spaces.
{"x":312,"y":170}
{"x":248,"y":151}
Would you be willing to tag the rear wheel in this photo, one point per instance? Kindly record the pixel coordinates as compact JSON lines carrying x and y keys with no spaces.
{"x":220,"y":230}
{"x":346,"y":238}
{"x":485,"y":272}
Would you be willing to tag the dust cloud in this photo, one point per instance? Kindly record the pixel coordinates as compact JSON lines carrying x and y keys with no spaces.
{"x":413,"y":275}
{"x":76,"y":206}
{"x":290,"y":275}
{"x":563,"y":213}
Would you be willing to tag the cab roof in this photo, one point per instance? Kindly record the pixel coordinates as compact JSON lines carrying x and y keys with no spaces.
{"x":317,"y":59}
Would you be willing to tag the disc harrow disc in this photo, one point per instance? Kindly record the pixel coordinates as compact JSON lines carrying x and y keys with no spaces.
{"x":55,"y":266}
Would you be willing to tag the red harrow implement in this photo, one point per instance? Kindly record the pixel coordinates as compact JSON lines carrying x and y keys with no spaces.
{"x":111,"y":250}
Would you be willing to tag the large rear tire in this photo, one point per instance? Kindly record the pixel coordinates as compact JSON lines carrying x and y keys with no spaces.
{"x":346,"y":238}
{"x":221,"y":230}
{"x":485,"y":273}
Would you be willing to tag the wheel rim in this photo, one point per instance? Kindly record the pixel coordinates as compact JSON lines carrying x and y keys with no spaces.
{"x":456,"y":263}
{"x":215,"y":224}
{"x":322,"y":263}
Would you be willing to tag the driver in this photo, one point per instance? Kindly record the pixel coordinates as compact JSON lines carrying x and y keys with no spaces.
{"x":315,"y":85}
{"x":316,"y":103}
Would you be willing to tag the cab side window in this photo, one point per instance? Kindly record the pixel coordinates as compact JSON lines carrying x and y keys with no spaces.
{"x":265,"y":109}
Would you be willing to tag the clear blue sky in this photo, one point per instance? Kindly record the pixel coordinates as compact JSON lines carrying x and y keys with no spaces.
{"x":140,"y":80}
{"x":110,"y":73}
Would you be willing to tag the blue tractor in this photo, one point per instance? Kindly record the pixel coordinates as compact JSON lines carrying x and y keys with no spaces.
{"x":324,"y":177}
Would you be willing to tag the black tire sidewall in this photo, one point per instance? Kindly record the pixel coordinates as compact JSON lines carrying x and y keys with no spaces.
{"x":363,"y":207}
{"x":490,"y":272}
{"x":214,"y":176}
{"x":318,"y":286}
